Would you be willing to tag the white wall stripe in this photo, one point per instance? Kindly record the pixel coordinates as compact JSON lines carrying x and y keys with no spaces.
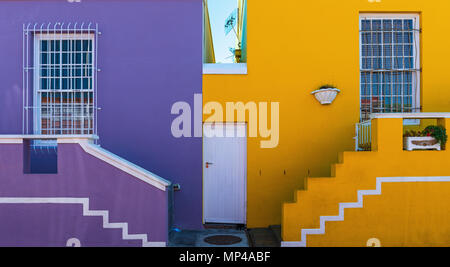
{"x":88,"y":213}
{"x":359,"y":204}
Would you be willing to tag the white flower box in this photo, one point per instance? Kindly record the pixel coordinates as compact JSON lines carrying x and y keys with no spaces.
{"x":421,"y":143}
{"x":326,"y":96}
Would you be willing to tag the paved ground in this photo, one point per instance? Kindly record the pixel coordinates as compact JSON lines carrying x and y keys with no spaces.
{"x":260,"y":237}
{"x":190,"y":238}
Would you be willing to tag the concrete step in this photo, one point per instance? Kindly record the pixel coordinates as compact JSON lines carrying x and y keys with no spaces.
{"x":276,"y":229}
{"x":263,"y":237}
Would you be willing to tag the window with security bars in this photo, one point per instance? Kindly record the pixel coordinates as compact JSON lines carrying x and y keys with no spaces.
{"x":64,"y":84}
{"x":390,"y":64}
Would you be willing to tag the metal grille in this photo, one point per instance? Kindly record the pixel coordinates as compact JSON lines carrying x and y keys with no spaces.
{"x":59,"y":84}
{"x":390,"y":65}
{"x":363,"y":139}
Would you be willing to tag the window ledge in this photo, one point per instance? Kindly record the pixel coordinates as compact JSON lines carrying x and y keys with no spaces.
{"x":228,"y":68}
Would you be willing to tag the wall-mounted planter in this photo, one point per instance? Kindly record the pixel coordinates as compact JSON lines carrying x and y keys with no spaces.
{"x":326,"y":96}
{"x":421,"y":143}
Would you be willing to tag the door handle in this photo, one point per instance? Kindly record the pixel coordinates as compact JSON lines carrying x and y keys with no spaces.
{"x":209,"y":164}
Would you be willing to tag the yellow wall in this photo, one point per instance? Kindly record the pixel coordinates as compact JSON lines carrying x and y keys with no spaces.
{"x":295,"y":46}
{"x":397,"y":217}
{"x":405,"y":215}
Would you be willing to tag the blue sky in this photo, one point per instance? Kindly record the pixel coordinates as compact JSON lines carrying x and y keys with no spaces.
{"x":219,"y":10}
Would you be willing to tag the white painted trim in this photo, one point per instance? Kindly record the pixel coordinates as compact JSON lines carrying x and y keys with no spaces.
{"x":62,"y":139}
{"x":389,"y":15}
{"x":88,"y":213}
{"x":125,"y":165}
{"x":11,"y":141}
{"x":55,"y":34}
{"x":359,"y":204}
{"x":431,"y":115}
{"x":417,"y":85}
{"x":326,"y":89}
{"x":74,"y":140}
{"x":225,"y":68}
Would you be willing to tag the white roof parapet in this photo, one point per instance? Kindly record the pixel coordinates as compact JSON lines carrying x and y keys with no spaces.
{"x":423,"y":115}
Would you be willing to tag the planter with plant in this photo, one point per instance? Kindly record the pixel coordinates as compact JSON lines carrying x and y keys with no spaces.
{"x":432,"y":138}
{"x":326,"y":94}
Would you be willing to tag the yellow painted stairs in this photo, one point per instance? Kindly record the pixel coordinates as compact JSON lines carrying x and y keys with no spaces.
{"x":387,"y":197}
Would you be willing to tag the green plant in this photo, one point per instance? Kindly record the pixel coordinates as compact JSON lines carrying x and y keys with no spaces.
{"x":326,"y":86}
{"x":365,"y":147}
{"x":438,"y":132}
{"x":413,"y":133}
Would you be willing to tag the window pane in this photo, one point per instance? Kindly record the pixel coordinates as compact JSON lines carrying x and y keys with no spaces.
{"x":387,"y":37}
{"x":366,"y":38}
{"x":376,"y":25}
{"x":398,"y":24}
{"x":408,"y":24}
{"x":376,"y":38}
{"x":366,"y":51}
{"x":408,"y":37}
{"x":387,"y":25}
{"x":366,"y":25}
{"x":398,"y":37}
{"x":376,"y":50}
{"x":386,"y":89}
{"x":398,"y":63}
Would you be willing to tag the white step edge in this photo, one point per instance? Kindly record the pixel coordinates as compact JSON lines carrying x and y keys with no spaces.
{"x":359,"y":204}
{"x":87,"y":212}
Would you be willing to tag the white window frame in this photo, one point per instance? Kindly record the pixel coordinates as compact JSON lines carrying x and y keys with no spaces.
{"x":58,"y":36}
{"x":225,"y":68}
{"x":416,"y":83}
{"x":220,"y":68}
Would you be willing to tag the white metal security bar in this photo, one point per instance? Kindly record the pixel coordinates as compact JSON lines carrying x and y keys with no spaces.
{"x":363,"y":139}
{"x":60,"y":78}
{"x":390,"y":63}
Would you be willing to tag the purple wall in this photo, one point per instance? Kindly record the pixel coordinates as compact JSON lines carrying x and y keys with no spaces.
{"x":81,"y":175}
{"x":150,"y":56}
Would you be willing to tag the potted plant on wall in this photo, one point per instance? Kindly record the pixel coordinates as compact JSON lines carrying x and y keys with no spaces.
{"x":326,"y":94}
{"x":432,"y":138}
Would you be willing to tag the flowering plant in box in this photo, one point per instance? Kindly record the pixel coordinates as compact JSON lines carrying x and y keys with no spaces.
{"x":437,"y":132}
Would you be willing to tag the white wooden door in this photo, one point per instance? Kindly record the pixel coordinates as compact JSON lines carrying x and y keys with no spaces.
{"x":225,"y":173}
